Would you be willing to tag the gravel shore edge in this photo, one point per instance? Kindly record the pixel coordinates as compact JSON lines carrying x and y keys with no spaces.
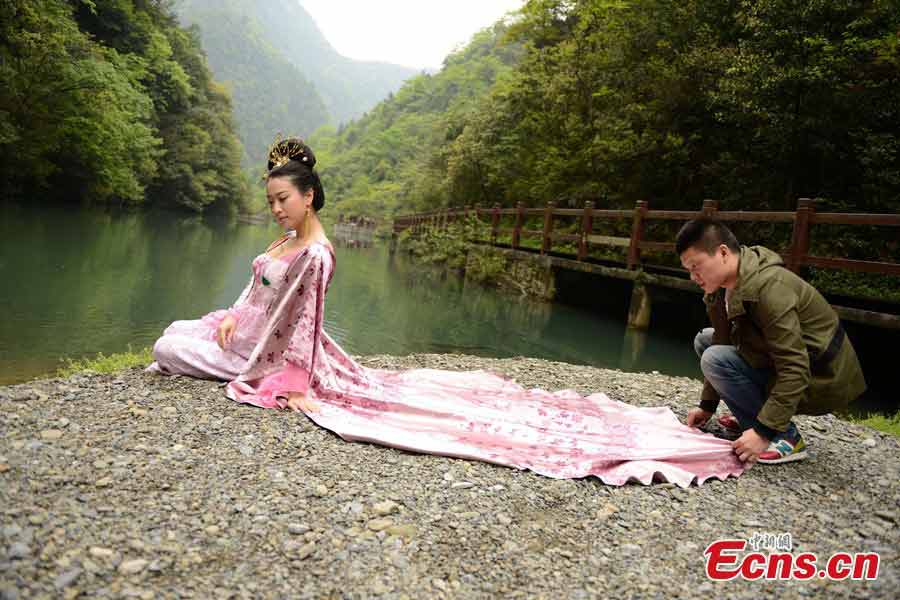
{"x":134,"y":485}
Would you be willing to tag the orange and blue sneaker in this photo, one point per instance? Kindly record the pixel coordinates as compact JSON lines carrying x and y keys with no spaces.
{"x":785,"y":449}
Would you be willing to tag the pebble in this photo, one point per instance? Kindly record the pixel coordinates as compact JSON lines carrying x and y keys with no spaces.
{"x":10,"y":531}
{"x":8,"y":592}
{"x":64,"y":580}
{"x":385,"y":508}
{"x":133,"y":567}
{"x":297,"y":528}
{"x":751,"y":523}
{"x":301,"y":552}
{"x":18,"y":551}
{"x":379,"y":524}
{"x":102,"y":553}
{"x":887,"y":515}
{"x":462,"y":485}
{"x":404,"y":531}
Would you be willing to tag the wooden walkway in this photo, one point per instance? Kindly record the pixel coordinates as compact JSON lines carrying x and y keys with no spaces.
{"x":636,"y":267}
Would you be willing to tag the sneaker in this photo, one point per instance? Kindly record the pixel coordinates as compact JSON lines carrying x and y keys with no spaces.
{"x":729,"y":423}
{"x":784,"y":450}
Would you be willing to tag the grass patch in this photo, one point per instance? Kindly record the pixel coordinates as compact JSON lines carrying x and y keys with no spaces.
{"x":883,"y":423}
{"x":107,"y":364}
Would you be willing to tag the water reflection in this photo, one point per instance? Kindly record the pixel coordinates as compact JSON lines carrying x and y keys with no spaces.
{"x":633,"y":345}
{"x":78,"y":282}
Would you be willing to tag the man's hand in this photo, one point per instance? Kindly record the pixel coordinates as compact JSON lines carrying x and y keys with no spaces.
{"x":749,"y":446}
{"x":697,"y":417}
{"x":301,"y":403}
{"x":226,"y":332}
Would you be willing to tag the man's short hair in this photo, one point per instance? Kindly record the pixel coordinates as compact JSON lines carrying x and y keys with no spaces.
{"x":707,"y":234}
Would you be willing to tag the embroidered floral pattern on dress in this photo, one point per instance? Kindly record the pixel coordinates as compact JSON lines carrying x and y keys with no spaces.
{"x":476,"y":415}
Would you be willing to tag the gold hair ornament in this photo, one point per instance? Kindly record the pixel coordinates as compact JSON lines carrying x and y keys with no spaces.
{"x":283,"y":151}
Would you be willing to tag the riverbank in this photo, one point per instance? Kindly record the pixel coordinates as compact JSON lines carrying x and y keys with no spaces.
{"x":134,"y":485}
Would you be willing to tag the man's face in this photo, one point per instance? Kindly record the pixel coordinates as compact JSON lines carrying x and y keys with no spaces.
{"x":709,"y":271}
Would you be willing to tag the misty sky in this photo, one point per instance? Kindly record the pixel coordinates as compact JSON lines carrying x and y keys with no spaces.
{"x":413,"y":33}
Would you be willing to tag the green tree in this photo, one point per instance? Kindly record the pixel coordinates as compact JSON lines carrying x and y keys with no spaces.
{"x":109,"y":100}
{"x":73,"y":117}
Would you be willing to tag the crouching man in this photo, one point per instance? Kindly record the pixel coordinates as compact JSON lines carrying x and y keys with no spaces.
{"x":776,"y":347}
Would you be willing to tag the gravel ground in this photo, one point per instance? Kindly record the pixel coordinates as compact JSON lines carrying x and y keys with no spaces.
{"x":140,"y":486}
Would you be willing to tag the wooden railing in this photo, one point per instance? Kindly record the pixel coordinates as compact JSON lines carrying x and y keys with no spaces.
{"x":796,"y":256}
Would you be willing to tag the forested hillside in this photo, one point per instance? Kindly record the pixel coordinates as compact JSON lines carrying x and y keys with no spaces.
{"x":348,"y":87}
{"x":753,"y":103}
{"x":270,"y":93}
{"x":111,"y":101}
{"x":284,"y":74}
{"x":397,"y":158}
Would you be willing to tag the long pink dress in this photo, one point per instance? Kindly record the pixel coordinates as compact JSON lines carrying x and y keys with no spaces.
{"x":280,"y":346}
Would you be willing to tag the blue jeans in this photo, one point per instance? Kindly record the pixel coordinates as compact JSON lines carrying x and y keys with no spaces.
{"x":741,"y":386}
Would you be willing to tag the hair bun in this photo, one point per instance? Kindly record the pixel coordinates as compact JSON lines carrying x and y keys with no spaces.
{"x":283,"y":151}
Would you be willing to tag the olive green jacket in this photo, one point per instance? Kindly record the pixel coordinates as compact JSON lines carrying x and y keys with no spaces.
{"x":776,"y":319}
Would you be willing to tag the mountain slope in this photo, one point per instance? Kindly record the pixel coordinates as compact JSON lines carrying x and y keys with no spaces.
{"x":397,"y":157}
{"x":269,"y":93}
{"x":284,"y":74}
{"x":349,"y":87}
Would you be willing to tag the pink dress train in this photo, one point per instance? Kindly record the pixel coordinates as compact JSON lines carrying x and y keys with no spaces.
{"x":280,"y":346}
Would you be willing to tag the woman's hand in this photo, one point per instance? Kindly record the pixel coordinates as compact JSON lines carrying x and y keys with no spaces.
{"x":226,"y":332}
{"x":298,"y":402}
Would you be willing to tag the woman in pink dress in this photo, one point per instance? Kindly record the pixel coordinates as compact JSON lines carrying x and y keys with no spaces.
{"x":271,"y":348}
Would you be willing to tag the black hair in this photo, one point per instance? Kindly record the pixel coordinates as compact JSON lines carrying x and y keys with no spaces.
{"x":295,"y":161}
{"x":707,"y":234}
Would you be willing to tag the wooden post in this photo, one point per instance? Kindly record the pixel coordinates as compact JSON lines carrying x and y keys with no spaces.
{"x":800,"y":238}
{"x":518,"y":226}
{"x":476,"y":228}
{"x":640,"y":308}
{"x":546,"y":240}
{"x":710,"y":208}
{"x":633,"y":345}
{"x":587,"y":227}
{"x":495,"y":223}
{"x":637,"y":234}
